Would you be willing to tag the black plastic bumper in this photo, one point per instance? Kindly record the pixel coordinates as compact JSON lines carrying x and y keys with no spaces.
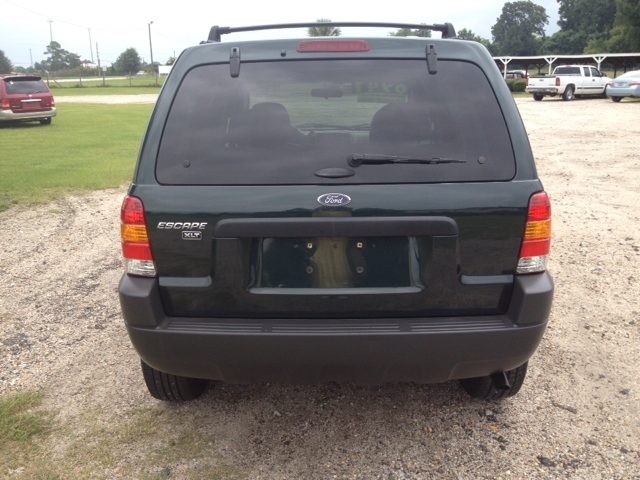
{"x":369,"y":351}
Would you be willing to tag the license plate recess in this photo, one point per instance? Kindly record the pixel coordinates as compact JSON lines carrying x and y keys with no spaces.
{"x":335,"y":262}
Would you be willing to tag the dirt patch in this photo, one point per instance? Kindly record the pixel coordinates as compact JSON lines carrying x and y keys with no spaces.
{"x":576,"y":416}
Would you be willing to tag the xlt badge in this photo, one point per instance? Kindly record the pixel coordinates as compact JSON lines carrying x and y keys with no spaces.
{"x":191,"y":235}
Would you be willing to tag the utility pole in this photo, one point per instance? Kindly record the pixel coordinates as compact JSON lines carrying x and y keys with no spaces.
{"x":31,"y":57}
{"x":99,"y":69}
{"x":90,"y":44}
{"x":150,"y":46}
{"x":50,"y":31}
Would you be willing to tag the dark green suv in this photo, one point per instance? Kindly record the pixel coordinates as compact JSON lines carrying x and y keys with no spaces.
{"x":335,"y":209}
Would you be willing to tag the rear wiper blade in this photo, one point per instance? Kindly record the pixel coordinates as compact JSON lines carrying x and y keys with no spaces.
{"x":357,"y":159}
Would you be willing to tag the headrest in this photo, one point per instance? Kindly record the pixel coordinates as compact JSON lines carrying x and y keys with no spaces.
{"x":401,"y":122}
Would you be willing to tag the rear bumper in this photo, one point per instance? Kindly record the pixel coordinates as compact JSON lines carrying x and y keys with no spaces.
{"x":9,"y":116}
{"x":545,"y":90}
{"x":363,"y":351}
{"x":623,"y":91}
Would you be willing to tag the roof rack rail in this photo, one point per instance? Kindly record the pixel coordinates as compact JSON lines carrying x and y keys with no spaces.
{"x":216,"y":31}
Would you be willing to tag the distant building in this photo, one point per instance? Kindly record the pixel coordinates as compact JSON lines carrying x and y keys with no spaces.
{"x":88,"y":64}
{"x":164,"y":69}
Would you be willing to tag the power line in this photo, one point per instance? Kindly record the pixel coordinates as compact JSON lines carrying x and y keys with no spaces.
{"x":69,"y":23}
{"x":173,"y":40}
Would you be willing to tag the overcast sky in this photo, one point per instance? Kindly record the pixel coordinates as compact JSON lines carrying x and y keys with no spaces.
{"x":118,"y":24}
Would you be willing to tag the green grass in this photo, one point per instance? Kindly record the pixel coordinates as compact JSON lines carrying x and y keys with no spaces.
{"x":67,"y":92}
{"x":18,"y":424}
{"x":137,"y":84}
{"x":86,"y":147}
{"x":94,"y":442}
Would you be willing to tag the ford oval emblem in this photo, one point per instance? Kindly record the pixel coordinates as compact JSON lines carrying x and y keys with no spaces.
{"x":334,"y":199}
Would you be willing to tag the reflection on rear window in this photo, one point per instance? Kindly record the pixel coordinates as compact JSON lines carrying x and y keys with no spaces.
{"x":280,"y":122}
{"x":15,"y":86}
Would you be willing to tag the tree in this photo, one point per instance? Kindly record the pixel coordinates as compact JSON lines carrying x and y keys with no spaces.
{"x":171,"y":61}
{"x":58,"y":58}
{"x":581,"y":21}
{"x":520,"y":28}
{"x":72,"y":60}
{"x":152,"y":67}
{"x":407,"y":32}
{"x":466,"y":34}
{"x":128,"y":61}
{"x":565,"y":42}
{"x":55,"y":57}
{"x":5,"y":64}
{"x":324,"y":31}
{"x":586,"y":15}
{"x":625,"y":34}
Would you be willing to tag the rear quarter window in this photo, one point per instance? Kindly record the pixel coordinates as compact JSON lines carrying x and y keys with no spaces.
{"x":567,"y":71}
{"x":279,"y":123}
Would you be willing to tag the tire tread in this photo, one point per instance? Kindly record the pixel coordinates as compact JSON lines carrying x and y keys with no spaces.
{"x":171,"y":388}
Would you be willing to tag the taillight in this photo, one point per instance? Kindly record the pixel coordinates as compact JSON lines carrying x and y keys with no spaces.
{"x":135,"y":240}
{"x":610,"y":84}
{"x":333,"y":46}
{"x":557,"y":81}
{"x":537,"y":235}
{"x":631,"y":84}
{"x":53,"y":102}
{"x":5,"y":104}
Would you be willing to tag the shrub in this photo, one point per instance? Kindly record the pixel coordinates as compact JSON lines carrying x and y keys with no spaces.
{"x":516,"y":85}
{"x":519,"y":85}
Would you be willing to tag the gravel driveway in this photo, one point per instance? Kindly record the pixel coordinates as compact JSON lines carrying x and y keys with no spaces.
{"x":575,"y":417}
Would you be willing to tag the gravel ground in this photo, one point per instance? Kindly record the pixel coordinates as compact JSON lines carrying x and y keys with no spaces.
{"x":575,"y":417}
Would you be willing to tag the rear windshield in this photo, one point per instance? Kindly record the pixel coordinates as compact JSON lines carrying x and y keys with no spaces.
{"x":288,"y":122}
{"x":26,"y":85}
{"x":567,"y":71}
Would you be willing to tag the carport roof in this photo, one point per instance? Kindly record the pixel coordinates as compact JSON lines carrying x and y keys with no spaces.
{"x":617,"y":59}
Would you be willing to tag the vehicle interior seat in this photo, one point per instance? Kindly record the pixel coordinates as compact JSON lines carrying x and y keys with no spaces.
{"x":267,"y":125}
{"x":402,"y":124}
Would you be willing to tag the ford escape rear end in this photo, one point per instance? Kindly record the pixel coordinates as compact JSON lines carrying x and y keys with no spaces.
{"x":311,"y":210}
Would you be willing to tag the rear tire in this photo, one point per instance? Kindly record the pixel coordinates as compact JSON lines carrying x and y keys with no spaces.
{"x":538,"y":96}
{"x":45,"y":121}
{"x":484,"y":388}
{"x":172,"y":388}
{"x":616,"y":99}
{"x":568,"y":94}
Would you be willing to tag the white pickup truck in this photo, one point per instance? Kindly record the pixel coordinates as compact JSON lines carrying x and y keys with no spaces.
{"x":569,"y":81}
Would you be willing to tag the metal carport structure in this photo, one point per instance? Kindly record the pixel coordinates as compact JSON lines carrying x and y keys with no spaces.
{"x":618,"y":60}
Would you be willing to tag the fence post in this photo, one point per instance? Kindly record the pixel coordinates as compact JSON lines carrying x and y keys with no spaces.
{"x":129,"y":78}
{"x":103,"y":81}
{"x":80,"y":77}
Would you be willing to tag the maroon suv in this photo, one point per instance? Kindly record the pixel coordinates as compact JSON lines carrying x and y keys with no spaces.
{"x":25,"y":98}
